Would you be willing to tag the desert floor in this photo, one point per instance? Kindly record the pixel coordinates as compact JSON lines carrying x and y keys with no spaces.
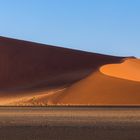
{"x":77,"y":123}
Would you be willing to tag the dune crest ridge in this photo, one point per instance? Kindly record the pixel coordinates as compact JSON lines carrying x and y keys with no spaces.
{"x":129,"y":69}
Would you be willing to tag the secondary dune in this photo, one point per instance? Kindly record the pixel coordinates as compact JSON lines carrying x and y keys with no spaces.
{"x":40,"y":75}
{"x":96,"y":89}
{"x":113,"y":84}
{"x":100,"y":89}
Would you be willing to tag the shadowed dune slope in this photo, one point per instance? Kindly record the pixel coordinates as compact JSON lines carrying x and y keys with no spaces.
{"x":26,"y":64}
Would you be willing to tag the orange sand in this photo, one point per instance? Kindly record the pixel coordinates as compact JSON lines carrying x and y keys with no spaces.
{"x":34,"y":74}
{"x":129,"y":69}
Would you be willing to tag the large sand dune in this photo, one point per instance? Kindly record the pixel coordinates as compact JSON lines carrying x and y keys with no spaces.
{"x":38,"y":74}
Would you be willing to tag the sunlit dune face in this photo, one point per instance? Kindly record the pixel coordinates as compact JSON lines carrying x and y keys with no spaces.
{"x":129,"y":69}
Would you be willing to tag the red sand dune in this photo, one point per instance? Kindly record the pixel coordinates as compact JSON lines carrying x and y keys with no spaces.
{"x":38,"y":74}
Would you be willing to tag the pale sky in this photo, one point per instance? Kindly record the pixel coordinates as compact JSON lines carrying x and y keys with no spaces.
{"x":102,"y":26}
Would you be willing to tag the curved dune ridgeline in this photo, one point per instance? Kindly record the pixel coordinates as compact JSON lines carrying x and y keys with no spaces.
{"x":38,"y":74}
{"x":129,"y":70}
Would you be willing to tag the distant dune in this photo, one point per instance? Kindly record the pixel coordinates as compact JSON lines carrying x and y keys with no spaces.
{"x":36,"y":74}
